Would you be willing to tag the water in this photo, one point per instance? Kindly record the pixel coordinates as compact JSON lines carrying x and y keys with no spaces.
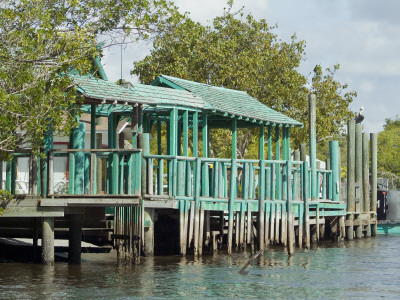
{"x":367,"y":268}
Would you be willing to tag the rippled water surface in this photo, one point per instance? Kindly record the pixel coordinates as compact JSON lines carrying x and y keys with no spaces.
{"x":368,"y":268}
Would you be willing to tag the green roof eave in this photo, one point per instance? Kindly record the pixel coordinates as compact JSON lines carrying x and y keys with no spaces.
{"x":162,"y":81}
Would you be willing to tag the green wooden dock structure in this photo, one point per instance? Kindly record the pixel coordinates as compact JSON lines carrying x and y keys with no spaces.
{"x":164,"y":189}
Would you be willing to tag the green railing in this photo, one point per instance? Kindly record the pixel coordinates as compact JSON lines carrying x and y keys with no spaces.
{"x":177,"y":177}
{"x":97,"y":172}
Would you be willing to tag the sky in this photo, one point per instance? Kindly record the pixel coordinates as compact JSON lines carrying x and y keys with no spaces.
{"x":363,"y":36}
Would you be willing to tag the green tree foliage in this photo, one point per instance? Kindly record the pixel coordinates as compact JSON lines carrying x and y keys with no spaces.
{"x":242,"y":53}
{"x":388,"y":149}
{"x":42,"y":40}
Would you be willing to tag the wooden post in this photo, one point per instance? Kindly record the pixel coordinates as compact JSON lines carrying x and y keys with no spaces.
{"x":234,"y":138}
{"x":231,"y":203}
{"x":261,"y":212}
{"x":205,"y":181}
{"x":195,"y":134}
{"x":148,"y":238}
{"x":306,"y":205}
{"x":197,"y":181}
{"x":290,"y":227}
{"x":261,"y":144}
{"x":278,"y":193}
{"x":365,"y":179}
{"x":334,"y":164}
{"x":48,"y":241}
{"x":359,"y":165}
{"x":374,"y":176}
{"x":75,"y":239}
{"x":313,"y":145}
{"x":350,"y":176}
{"x":269,"y":142}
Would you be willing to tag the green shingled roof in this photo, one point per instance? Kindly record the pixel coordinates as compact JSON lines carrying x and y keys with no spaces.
{"x":229,"y":101}
{"x":99,"y":89}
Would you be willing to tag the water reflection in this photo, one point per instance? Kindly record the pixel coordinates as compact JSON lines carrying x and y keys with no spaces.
{"x":365,"y":267}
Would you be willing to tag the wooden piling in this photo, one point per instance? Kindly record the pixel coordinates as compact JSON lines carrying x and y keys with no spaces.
{"x":306,"y":205}
{"x":48,"y":241}
{"x":290,"y":226}
{"x":350,"y":177}
{"x":231,"y":202}
{"x":201,"y":229}
{"x":365,"y":179}
{"x":75,"y":239}
{"x":358,"y":176}
{"x":313,"y":145}
{"x":374,"y":176}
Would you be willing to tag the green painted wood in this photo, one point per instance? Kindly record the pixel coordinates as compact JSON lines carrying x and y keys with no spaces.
{"x":86,"y":174}
{"x":374,"y":172}
{"x":234,"y":138}
{"x":181,"y":186}
{"x":273,"y":182}
{"x":305,"y":196}
{"x":159,"y":138}
{"x":269,"y":142}
{"x":350,"y":165}
{"x":334,"y":164}
{"x":144,"y":141}
{"x":195,"y":134}
{"x":197,"y":191}
{"x":232,"y":193}
{"x":245,"y":180}
{"x":160,"y":183}
{"x":78,"y":142}
{"x":188,"y":179}
{"x":215,"y":179}
{"x":278,"y":192}
{"x":261,"y":143}
{"x":365,"y":176}
{"x":114,"y":173}
{"x":121,"y":168}
{"x":9,"y":176}
{"x":93,"y":126}
{"x":205,"y":172}
{"x":71,"y":180}
{"x":313,"y":145}
{"x":261,"y":212}
{"x":268,"y":183}
{"x":185,"y":130}
{"x":289,"y":209}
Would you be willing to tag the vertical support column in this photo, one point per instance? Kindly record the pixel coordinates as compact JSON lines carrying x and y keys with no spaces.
{"x":232,"y":194}
{"x":350,"y":176}
{"x":48,"y":241}
{"x":359,"y":166}
{"x":269,"y":157}
{"x":313,"y":145}
{"x":334,"y":164}
{"x":75,"y":239}
{"x":78,"y":142}
{"x":93,"y":126}
{"x":195,"y":134}
{"x":148,"y":249}
{"x":234,"y":138}
{"x":290,"y":227}
{"x":173,"y":135}
{"x":261,"y":143}
{"x":374,"y":178}
{"x":159,"y":141}
{"x":261,"y":208}
{"x":278,"y":194}
{"x":365,"y":179}
{"x":48,"y":145}
{"x":205,"y":181}
{"x":306,"y":205}
{"x":185,"y":129}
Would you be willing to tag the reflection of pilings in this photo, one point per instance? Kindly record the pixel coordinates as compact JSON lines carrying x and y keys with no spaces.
{"x":127,"y":233}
